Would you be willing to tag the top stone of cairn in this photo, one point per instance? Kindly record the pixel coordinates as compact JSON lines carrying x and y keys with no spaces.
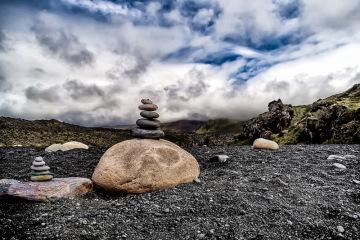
{"x":148,"y":126}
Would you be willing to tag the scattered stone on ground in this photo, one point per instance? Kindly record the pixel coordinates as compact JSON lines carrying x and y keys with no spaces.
{"x":40,"y":171}
{"x":316,"y":200}
{"x":340,"y":229}
{"x":75,"y":145}
{"x":356,"y":181}
{"x":336,"y":157}
{"x":262,"y":143}
{"x":50,"y":190}
{"x":222,"y":158}
{"x":56,"y":147}
{"x":339,"y":165}
{"x":143,"y":165}
{"x":148,"y":126}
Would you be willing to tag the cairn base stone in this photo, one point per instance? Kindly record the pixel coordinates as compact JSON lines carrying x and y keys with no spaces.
{"x":147,"y":133}
{"x":144,"y":165}
{"x":51,"y":190}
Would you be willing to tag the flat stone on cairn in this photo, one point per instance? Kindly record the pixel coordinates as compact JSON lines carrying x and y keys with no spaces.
{"x":40,"y":172}
{"x":148,"y":126}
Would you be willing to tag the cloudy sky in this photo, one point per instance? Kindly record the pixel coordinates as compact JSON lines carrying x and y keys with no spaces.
{"x":90,"y":62}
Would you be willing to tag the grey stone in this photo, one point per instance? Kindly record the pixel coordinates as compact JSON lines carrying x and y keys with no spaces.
{"x":148,"y":107}
{"x":146,"y":101}
{"x":145,"y":133}
{"x":38,"y":164}
{"x":340,"y":229}
{"x":339,"y":165}
{"x":42,"y":168}
{"x":148,"y":124}
{"x":149,"y":114}
{"x":38,"y":173}
{"x":41,"y":178}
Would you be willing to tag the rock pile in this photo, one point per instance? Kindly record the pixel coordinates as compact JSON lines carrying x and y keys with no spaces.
{"x":148,"y":126}
{"x":40,"y":172}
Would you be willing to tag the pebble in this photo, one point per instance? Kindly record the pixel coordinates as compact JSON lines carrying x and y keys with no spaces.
{"x":339,"y":165}
{"x":222,"y":158}
{"x":336,"y":157}
{"x":146,"y":133}
{"x":146,"y":101}
{"x":356,"y":181}
{"x":148,"y":124}
{"x":148,"y":107}
{"x":148,"y":114}
{"x":197,"y":180}
{"x":340,"y":229}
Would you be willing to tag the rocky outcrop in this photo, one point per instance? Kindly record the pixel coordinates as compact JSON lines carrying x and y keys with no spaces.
{"x":272,"y":122}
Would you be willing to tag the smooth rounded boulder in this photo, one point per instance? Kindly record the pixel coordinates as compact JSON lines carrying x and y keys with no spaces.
{"x":75,"y":145}
{"x":144,"y":165}
{"x":262,"y":143}
{"x":56,"y":147}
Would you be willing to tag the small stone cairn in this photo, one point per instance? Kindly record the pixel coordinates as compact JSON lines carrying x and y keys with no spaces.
{"x":40,"y":172}
{"x":148,"y":126}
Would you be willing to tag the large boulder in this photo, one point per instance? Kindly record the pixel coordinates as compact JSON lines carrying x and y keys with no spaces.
{"x":55,"y":189}
{"x":262,"y":143}
{"x":143,"y":165}
{"x":75,"y":145}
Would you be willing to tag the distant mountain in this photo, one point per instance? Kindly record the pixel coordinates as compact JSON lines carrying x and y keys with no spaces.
{"x":335,"y":119}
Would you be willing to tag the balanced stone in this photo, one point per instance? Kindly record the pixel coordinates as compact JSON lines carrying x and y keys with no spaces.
{"x":35,"y":173}
{"x":146,"y":101}
{"x":148,"y":124}
{"x":41,"y":178}
{"x":40,"y":172}
{"x":42,"y":168}
{"x":148,"y":114}
{"x":148,"y":107}
{"x":149,"y":134}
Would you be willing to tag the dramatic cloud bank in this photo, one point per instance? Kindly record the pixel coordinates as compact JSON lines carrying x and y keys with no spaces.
{"x":90,"y":62}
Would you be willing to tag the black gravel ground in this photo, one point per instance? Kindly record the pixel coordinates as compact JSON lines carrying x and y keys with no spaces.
{"x":293,"y":193}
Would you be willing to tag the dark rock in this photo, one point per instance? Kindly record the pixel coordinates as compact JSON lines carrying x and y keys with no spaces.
{"x":146,"y":101}
{"x":148,"y":107}
{"x":145,"y":133}
{"x":148,"y":124}
{"x":148,"y":114}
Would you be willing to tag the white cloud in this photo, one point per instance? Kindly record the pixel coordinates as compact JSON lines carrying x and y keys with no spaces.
{"x":129,"y":62}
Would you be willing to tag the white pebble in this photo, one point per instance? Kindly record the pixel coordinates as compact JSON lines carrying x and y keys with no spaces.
{"x":340,"y":229}
{"x":339,"y":165}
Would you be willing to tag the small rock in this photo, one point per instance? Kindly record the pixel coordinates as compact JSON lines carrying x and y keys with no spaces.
{"x":148,"y":107}
{"x":145,"y":133}
{"x":339,"y":165}
{"x":197,"y":180}
{"x":356,"y":181}
{"x":336,"y":157}
{"x":146,"y":101}
{"x":147,"y":123}
{"x":289,"y":222}
{"x":167,"y":210}
{"x":220,"y":158}
{"x":350,"y":156}
{"x":340,"y":229}
{"x":149,"y":114}
{"x":262,"y":143}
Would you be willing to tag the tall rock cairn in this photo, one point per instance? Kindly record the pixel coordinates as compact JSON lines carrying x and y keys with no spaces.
{"x":148,"y":126}
{"x":40,"y":172}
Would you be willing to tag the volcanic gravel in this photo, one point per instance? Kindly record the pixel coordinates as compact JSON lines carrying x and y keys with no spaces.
{"x":292,"y":193}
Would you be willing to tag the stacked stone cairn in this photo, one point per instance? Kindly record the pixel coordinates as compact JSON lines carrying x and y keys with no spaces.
{"x":148,"y":126}
{"x":40,"y":172}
